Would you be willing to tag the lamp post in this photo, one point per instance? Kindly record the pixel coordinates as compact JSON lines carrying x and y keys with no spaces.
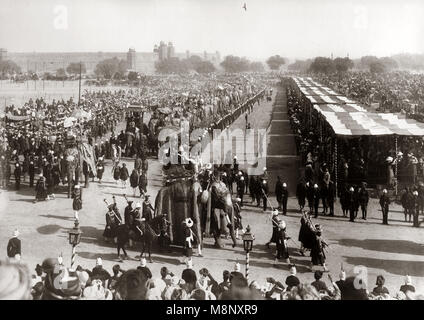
{"x":247,"y":244}
{"x":74,"y":240}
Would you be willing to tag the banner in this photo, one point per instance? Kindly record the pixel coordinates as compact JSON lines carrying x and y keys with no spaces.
{"x":86,"y":152}
{"x":10,"y":116}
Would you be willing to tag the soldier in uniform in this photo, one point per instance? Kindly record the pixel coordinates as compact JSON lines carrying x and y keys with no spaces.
{"x":77,"y":201}
{"x":363,"y":200}
{"x":301,"y":194}
{"x":282,"y":248}
{"x":113,"y":220}
{"x":317,"y":251}
{"x":17,"y":173}
{"x":415,"y":209}
{"x":279,"y":191}
{"x":142,"y":183}
{"x":384,"y":204}
{"x":240,"y":189}
{"x":40,"y":189}
{"x":264,"y":193}
{"x":316,"y":197}
{"x":331,"y":194}
{"x":100,"y":167}
{"x":31,"y":172}
{"x":275,"y":220}
{"x":350,"y":203}
{"x":164,"y":239}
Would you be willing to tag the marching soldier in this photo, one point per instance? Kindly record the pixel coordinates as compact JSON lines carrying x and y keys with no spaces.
{"x":282,"y":248}
{"x":284,"y":198}
{"x":275,"y":221}
{"x":77,"y":201}
{"x":316,"y":197}
{"x":240,"y":189}
{"x":318,"y":246}
{"x":113,"y":220}
{"x":384,"y":203}
{"x":100,"y":167}
{"x":351,"y":204}
{"x":134,"y":177}
{"x":415,"y":208}
{"x":301,"y":194}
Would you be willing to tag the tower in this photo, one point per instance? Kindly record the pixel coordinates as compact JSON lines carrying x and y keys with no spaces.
{"x":163,"y":51}
{"x":131,"y":59}
{"x":171,"y":50}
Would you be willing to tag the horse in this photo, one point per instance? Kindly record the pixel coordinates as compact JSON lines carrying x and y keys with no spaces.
{"x":147,"y":235}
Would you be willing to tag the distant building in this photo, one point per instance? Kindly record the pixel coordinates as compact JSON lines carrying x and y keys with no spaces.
{"x":218,"y":56}
{"x":163,"y":51}
{"x":3,"y":54}
{"x":131,"y":59}
{"x":171,"y":50}
{"x":187,"y":54}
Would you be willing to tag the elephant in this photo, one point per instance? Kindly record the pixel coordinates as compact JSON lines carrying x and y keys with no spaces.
{"x":217,"y":210}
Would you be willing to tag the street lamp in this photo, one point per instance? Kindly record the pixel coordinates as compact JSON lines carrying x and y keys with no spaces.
{"x":248,"y":245}
{"x":74,"y":240}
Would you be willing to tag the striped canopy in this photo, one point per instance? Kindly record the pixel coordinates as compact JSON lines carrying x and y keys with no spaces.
{"x":371,"y":124}
{"x":317,"y":91}
{"x":329,"y":100}
{"x":305,"y":82}
{"x":351,"y":107}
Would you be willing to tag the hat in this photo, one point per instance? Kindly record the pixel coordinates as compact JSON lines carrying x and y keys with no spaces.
{"x":17,"y":165}
{"x":264,"y":169}
{"x":415,"y":193}
{"x":143,"y":262}
{"x":138,"y":205}
{"x":40,"y":175}
{"x":384,"y":190}
{"x":224,"y":174}
{"x":293,"y":270}
{"x":235,"y":157}
{"x":208,"y":166}
{"x":284,"y":185}
{"x":188,"y":222}
{"x":282,"y":224}
{"x":189,"y":263}
{"x":318,"y":227}
{"x":275,"y":213}
{"x":315,"y":185}
{"x":77,"y":186}
{"x":238,"y":199}
{"x":241,"y":178}
{"x":237,"y":267}
{"x":351,"y":189}
{"x":389,"y":159}
{"x":99,"y":261}
{"x":16,"y":233}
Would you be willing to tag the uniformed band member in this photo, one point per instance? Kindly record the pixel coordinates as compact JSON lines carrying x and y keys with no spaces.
{"x":100,"y":166}
{"x":384,"y":203}
{"x":77,"y":201}
{"x":316,"y":196}
{"x":275,"y":221}
{"x":240,"y":189}
{"x":14,"y":246}
{"x":264,"y":193}
{"x":415,"y":209}
{"x":282,"y":248}
{"x":190,"y":238}
{"x":318,"y":246}
{"x":301,"y":194}
{"x":40,"y":189}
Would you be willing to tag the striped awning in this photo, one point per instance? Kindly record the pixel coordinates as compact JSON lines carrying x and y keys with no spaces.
{"x":305,"y":82}
{"x":351,"y":107}
{"x":317,"y":91}
{"x":371,"y":124}
{"x":329,"y":99}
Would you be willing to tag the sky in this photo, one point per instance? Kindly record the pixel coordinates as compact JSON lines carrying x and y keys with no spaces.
{"x":294,"y":29}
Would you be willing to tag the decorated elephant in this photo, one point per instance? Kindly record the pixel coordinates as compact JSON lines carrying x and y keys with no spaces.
{"x":217,"y":210}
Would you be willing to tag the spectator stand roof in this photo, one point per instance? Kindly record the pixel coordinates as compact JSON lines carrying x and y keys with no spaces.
{"x":347,"y":118}
{"x":370,"y":124}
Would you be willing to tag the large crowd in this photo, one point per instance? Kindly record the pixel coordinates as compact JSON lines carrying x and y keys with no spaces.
{"x":392,"y":91}
{"x":53,"y":281}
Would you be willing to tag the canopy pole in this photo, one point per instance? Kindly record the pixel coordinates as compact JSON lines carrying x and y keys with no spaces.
{"x":335,"y":164}
{"x":396,"y":165}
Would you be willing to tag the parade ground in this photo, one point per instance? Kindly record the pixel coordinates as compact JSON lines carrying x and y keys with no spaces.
{"x":392,"y":250}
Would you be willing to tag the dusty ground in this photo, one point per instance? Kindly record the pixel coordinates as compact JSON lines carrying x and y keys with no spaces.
{"x":393,"y":250}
